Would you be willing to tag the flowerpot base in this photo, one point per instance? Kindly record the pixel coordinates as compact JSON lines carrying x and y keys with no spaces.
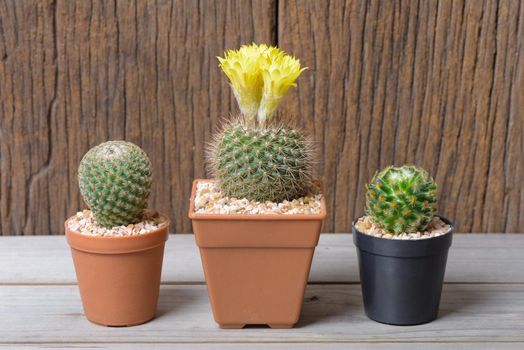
{"x":272,"y":326}
{"x":127,"y":324}
{"x":281,"y":326}
{"x":401,"y":324}
{"x":231,"y":326}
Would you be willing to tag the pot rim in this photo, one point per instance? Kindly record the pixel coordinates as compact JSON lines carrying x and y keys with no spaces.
{"x":117,"y":244}
{"x":401,"y":247}
{"x":276,"y":217}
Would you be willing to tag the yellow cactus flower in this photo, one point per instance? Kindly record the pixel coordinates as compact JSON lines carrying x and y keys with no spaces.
{"x":242,"y":67}
{"x":279,"y":74}
{"x":260,"y":76}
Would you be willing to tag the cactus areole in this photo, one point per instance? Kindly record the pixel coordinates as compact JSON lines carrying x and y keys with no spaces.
{"x":115,"y":182}
{"x":256,"y":156}
{"x":401,"y":199}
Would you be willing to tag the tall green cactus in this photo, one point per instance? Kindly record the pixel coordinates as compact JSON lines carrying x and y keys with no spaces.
{"x":401,"y":199}
{"x":115,"y":182}
{"x":256,"y":157}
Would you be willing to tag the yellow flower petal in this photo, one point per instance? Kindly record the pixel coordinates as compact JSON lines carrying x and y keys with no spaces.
{"x":260,"y":76}
{"x":278,"y":75}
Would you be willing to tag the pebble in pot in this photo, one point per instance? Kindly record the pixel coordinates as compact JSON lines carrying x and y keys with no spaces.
{"x":402,"y":247}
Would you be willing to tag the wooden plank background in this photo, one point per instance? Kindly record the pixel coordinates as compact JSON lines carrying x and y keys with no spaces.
{"x":436,"y":83}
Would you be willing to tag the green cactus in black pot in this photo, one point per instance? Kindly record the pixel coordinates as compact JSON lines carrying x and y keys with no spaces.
{"x":401,"y":199}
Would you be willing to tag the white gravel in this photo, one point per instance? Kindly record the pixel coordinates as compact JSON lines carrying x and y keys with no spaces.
{"x":209,"y":200}
{"x":436,"y":228}
{"x":85,"y":223}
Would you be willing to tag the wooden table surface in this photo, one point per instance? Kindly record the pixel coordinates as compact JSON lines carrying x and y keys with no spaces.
{"x":482,"y":303}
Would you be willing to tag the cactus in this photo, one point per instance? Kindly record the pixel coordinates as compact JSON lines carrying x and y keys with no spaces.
{"x":257,"y":157}
{"x":115,"y":182}
{"x":401,"y":199}
{"x":262,"y":164}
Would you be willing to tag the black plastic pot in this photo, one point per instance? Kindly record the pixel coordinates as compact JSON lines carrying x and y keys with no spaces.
{"x":402,"y":279}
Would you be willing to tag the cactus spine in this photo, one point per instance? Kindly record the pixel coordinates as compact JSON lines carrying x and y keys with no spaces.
{"x":263,"y":164}
{"x":255,"y":156}
{"x":401,"y":199}
{"x":115,"y":182}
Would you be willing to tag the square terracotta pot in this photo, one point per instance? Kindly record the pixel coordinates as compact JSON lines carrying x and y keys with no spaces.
{"x":256,"y":265}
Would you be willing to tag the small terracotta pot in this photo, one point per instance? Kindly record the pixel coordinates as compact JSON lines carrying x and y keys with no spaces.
{"x":118,"y":277}
{"x":256,"y":265}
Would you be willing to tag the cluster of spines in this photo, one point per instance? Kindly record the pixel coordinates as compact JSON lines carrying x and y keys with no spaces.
{"x":263,"y":164}
{"x":401,"y":199}
{"x":115,"y":181}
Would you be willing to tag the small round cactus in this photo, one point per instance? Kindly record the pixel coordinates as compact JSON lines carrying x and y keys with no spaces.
{"x":115,"y":182}
{"x":401,"y":199}
{"x":262,"y":164}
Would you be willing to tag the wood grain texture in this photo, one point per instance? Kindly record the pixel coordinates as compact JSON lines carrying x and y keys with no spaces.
{"x":469,"y":313}
{"x":435,"y":83}
{"x":273,"y":346}
{"x":440,"y":84}
{"x":482,"y":307}
{"x":335,"y":260}
{"x":77,"y":73}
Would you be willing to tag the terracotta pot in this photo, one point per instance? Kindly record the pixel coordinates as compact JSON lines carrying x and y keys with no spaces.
{"x":256,"y":265}
{"x":118,"y":277}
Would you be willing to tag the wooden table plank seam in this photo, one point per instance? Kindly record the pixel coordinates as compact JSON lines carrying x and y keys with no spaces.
{"x":482,"y":302}
{"x":473,"y":258}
